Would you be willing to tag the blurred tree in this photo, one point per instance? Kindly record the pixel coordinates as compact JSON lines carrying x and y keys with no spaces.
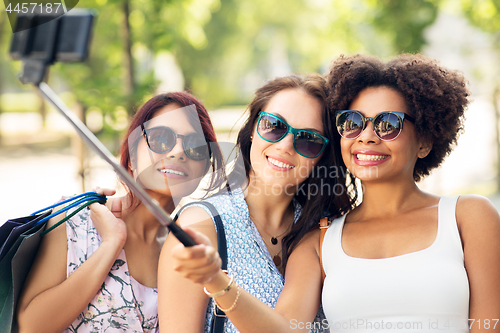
{"x":100,"y":81}
{"x":485,"y":14}
{"x":403,"y":21}
{"x":129,"y":82}
{"x":119,"y":71}
{"x":8,"y":74}
{"x":249,"y":41}
{"x":228,"y":48}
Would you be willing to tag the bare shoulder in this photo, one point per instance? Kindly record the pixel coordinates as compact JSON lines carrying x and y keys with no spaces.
{"x":471,"y":201}
{"x":197,"y":218}
{"x":477,"y":218}
{"x":479,"y":225}
{"x":475,"y":210}
{"x":310,"y":241}
{"x":193,"y":215}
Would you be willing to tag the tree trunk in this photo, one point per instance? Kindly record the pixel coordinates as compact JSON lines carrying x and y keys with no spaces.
{"x":128,"y":60}
{"x":80,"y":148}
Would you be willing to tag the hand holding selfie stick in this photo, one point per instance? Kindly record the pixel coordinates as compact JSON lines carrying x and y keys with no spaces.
{"x":34,"y":68}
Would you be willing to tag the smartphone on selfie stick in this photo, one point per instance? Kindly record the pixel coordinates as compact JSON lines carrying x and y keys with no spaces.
{"x":41,"y":39}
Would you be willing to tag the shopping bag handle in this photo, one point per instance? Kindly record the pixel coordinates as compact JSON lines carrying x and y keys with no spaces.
{"x":86,"y":199}
{"x":85,"y":205}
{"x":69,"y":200}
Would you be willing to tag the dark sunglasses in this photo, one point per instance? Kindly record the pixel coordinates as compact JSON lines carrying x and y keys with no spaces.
{"x":273,"y":129}
{"x":162,"y":140}
{"x":387,"y":125}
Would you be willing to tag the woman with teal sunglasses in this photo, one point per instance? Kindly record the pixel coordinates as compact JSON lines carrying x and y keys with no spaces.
{"x":308,"y":143}
{"x":288,"y":146}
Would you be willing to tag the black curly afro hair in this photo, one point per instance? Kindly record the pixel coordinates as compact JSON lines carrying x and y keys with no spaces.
{"x":435,"y":96}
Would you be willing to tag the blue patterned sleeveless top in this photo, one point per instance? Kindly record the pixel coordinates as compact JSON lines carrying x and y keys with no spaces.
{"x":249,"y":260}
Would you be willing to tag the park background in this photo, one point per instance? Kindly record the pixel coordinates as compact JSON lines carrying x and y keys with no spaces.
{"x":221,"y":51}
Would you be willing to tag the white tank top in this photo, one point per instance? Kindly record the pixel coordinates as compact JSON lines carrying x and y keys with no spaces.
{"x":423,"y":291}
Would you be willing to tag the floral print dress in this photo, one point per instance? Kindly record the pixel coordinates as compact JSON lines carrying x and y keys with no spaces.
{"x":122,"y":304}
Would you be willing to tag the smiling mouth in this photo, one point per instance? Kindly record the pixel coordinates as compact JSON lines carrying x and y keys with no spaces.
{"x":363,"y":157}
{"x":173,"y":172}
{"x":279,"y":164}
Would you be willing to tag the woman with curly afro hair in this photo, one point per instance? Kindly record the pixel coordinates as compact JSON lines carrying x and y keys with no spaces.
{"x":403,"y":259}
{"x":411,"y":259}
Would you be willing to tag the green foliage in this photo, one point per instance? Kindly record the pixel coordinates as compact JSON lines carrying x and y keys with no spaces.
{"x":8,"y":70}
{"x":403,"y":22}
{"x":484,"y":14}
{"x":247,"y":40}
{"x":227,"y":48}
{"x":244,"y":38}
{"x":99,"y":81}
{"x":155,"y":25}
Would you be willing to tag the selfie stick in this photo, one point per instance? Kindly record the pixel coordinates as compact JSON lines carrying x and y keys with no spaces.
{"x":97,"y":146}
{"x":66,"y":38}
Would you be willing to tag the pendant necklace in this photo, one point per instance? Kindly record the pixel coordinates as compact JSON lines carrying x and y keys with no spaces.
{"x":273,"y":240}
{"x":277,"y":259}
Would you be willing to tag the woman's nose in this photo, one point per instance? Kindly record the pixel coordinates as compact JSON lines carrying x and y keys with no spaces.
{"x":368,"y":134}
{"x":178,"y":150}
{"x":286,"y":144}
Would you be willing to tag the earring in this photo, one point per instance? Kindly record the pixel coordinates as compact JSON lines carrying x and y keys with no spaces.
{"x":251,"y":137}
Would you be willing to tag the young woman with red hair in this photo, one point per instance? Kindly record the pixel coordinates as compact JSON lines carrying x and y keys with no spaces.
{"x":98,"y":273}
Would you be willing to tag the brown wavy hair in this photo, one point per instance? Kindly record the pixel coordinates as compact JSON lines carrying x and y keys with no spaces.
{"x":313,"y":207}
{"x":435,"y":96}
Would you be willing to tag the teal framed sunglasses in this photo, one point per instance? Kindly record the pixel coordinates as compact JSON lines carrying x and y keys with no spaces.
{"x":307,"y":143}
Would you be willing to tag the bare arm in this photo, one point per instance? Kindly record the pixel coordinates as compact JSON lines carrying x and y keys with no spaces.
{"x":47,"y":291}
{"x":298,"y":302}
{"x":182,"y":304}
{"x":479,"y":225}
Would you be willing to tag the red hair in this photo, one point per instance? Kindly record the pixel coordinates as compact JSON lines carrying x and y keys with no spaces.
{"x":183,"y":99}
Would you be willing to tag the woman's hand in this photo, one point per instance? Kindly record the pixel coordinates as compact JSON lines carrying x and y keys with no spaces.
{"x":108,"y":221}
{"x":199,"y":263}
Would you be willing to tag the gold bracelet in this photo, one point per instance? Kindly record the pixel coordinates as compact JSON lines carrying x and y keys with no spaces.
{"x":223,"y":291}
{"x":232,"y":307}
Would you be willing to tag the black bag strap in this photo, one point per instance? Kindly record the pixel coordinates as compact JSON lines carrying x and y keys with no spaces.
{"x":219,"y":317}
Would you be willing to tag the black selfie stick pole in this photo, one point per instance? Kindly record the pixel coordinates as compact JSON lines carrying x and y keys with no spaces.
{"x":97,"y":146}
{"x":53,"y":44}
